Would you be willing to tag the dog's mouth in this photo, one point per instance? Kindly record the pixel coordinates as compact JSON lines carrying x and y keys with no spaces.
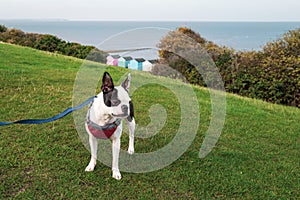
{"x":123,"y":115}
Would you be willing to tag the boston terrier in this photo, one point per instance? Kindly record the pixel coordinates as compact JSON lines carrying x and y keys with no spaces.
{"x":104,"y":120}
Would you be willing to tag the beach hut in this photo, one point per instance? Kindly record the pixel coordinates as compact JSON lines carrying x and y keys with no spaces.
{"x":136,"y":64}
{"x":112,"y":60}
{"x":148,"y":65}
{"x":124,"y":61}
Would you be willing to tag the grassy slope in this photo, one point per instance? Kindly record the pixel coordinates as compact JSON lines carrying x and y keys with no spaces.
{"x":257,"y":155}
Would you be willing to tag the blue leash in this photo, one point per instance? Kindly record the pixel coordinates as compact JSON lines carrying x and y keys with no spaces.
{"x":59,"y":116}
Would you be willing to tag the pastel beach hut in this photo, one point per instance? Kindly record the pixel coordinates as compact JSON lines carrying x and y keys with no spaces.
{"x":136,"y":63}
{"x":148,"y":65}
{"x":124,"y":61}
{"x":112,"y":60}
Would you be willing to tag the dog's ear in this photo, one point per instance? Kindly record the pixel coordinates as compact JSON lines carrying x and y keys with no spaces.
{"x":107,"y":83}
{"x":126,"y":83}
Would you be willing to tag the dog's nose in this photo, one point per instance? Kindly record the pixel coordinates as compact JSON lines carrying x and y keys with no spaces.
{"x":124,"y":109}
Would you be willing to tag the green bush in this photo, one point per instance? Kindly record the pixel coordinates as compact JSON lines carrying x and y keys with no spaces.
{"x":2,"y":28}
{"x":272,"y":74}
{"x":50,"y":43}
{"x":176,"y":42}
{"x":97,"y":56}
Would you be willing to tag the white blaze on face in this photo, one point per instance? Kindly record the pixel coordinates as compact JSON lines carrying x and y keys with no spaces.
{"x":122,"y":97}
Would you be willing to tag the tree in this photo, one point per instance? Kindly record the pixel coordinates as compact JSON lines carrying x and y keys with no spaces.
{"x":48,"y":43}
{"x":2,"y":29}
{"x":96,"y":55}
{"x":272,"y":74}
{"x":281,"y":66}
{"x":186,"y":40}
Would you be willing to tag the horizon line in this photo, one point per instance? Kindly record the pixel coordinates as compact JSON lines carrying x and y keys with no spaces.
{"x":137,"y":20}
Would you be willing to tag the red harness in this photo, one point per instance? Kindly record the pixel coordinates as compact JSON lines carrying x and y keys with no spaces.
{"x":101,"y":132}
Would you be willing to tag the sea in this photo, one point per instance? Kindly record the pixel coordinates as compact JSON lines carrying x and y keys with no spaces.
{"x":140,"y":38}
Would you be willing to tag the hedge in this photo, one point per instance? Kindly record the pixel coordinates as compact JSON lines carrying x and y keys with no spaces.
{"x":50,"y":43}
{"x":272,"y":74}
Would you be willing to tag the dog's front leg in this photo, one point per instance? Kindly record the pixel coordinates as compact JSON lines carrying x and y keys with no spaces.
{"x":116,"y":144}
{"x":94,"y":145}
{"x":131,"y":126}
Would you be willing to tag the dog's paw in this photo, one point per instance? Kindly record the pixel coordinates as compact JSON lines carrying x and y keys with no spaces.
{"x":131,"y":150}
{"x":116,"y":175}
{"x":90,"y":167}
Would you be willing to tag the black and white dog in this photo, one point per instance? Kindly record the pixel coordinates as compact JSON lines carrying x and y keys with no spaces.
{"x":104,"y":120}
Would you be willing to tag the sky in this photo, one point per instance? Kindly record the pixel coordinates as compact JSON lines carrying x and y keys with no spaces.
{"x":152,"y":10}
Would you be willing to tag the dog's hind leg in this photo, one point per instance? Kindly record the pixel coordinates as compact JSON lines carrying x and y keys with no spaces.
{"x":93,"y":145}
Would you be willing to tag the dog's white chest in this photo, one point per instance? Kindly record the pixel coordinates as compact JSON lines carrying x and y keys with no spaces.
{"x":98,"y":115}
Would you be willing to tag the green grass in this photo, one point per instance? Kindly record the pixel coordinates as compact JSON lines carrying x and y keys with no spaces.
{"x":256,"y":157}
